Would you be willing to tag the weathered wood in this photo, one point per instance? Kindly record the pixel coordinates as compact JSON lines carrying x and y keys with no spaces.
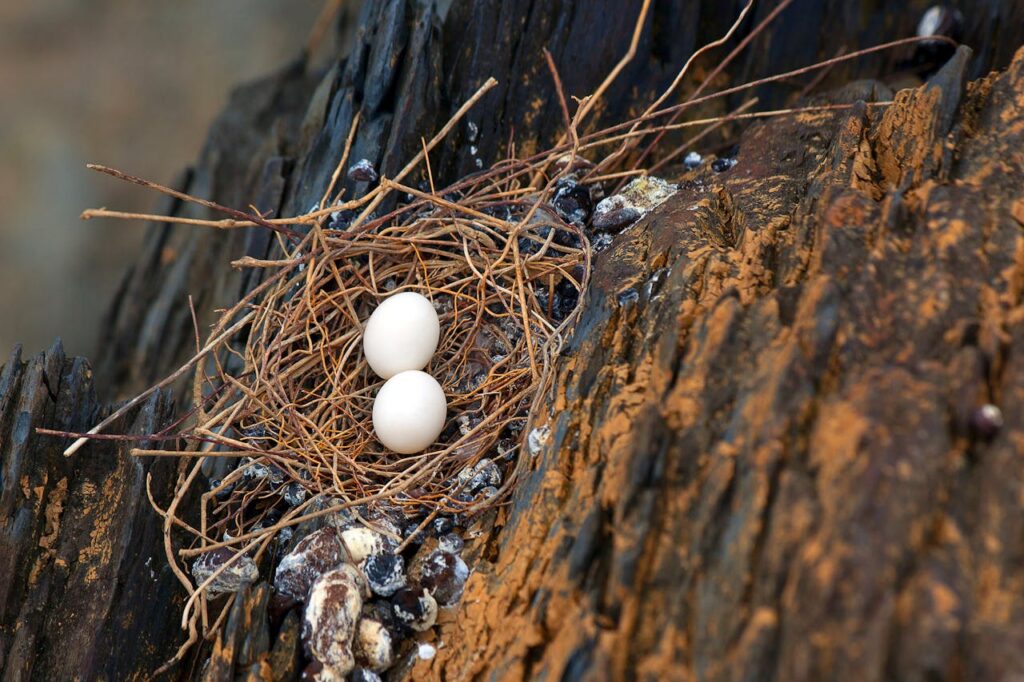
{"x":761,"y":466}
{"x":82,"y":577}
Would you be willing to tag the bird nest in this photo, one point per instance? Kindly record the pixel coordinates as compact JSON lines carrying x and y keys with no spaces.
{"x":300,"y":407}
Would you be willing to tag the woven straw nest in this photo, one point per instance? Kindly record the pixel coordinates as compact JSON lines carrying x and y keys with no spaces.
{"x":300,"y":409}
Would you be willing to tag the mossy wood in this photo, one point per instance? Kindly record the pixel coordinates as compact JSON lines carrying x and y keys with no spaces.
{"x":760,"y":463}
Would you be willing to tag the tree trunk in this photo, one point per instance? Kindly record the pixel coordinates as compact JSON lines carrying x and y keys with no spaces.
{"x":762,"y":463}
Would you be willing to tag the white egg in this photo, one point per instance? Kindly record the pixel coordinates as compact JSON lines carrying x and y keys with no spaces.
{"x":409,"y":412}
{"x":401,"y":334}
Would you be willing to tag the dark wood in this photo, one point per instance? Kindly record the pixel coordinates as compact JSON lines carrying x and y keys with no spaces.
{"x":761,"y":467}
{"x":84,"y":589}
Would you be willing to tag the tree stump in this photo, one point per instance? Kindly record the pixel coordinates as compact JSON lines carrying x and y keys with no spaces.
{"x":766,"y":460}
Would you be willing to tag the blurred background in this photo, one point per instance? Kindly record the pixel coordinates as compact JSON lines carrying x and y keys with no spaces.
{"x":128,"y":84}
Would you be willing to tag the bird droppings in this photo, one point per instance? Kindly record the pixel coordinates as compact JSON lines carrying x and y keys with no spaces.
{"x":627,"y":297}
{"x":241,"y":572}
{"x":316,"y":672}
{"x":639,"y":197}
{"x":450,"y":542}
{"x":723,"y":164}
{"x":601,"y":242}
{"x":255,"y":471}
{"x":374,"y":604}
{"x":485,"y":494}
{"x":330,"y":619}
{"x":364,"y":675}
{"x":654,"y":282}
{"x":559,"y":303}
{"x":573,"y":166}
{"x":940,"y":20}
{"x":294,"y":494}
{"x":341,"y":219}
{"x":362,"y":171}
{"x":484,"y":473}
{"x":537,"y":439}
{"x":442,"y":525}
{"x":415,"y":607}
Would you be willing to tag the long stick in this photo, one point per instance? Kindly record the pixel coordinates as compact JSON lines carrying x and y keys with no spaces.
{"x":491,"y":82}
{"x":73,"y":448}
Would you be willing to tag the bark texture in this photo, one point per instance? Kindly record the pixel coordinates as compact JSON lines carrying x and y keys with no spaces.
{"x":760,"y":466}
{"x":761,"y":463}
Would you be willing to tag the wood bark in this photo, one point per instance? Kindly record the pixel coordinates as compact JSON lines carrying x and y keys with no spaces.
{"x":761,"y":465}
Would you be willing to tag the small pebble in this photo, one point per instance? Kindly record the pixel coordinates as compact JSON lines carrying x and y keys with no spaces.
{"x":385,"y":573}
{"x":615,"y":219}
{"x":426,"y":651}
{"x":362,"y":171}
{"x":330,"y":619}
{"x":240,"y":573}
{"x":317,"y":553}
{"x":986,"y":421}
{"x":373,"y":645}
{"x":444,"y":574}
{"x":693,"y":160}
{"x":572,"y":202}
{"x":415,"y":607}
{"x":362,"y":542}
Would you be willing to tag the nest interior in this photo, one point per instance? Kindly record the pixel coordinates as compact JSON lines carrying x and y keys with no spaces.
{"x":505,"y":277}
